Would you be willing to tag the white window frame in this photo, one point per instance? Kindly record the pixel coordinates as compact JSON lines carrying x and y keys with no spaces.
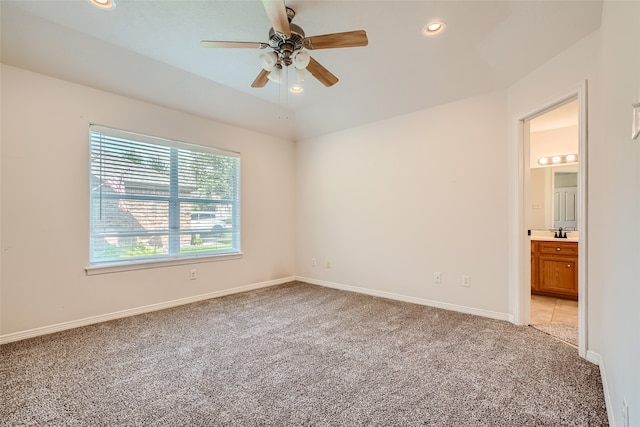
{"x":174,"y":230}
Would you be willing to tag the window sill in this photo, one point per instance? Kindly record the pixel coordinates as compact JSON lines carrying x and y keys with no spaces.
{"x":145,"y":265}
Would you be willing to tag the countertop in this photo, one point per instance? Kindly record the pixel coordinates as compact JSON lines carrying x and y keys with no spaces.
{"x":547,"y":236}
{"x":554,"y":239}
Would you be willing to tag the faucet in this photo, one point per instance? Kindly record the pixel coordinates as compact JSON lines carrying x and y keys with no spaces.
{"x":559,"y":235}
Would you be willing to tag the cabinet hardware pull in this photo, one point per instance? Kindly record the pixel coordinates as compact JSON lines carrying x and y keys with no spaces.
{"x":568,"y":265}
{"x":557,"y":249}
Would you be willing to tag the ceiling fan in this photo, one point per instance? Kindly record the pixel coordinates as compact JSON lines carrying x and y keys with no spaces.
{"x":290,"y":47}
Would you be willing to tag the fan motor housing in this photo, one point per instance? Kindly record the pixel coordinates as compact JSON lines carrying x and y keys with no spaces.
{"x":285,"y":46}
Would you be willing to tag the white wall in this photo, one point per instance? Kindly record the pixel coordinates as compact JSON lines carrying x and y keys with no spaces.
{"x":618,"y":295}
{"x":541,"y":201}
{"x":563,"y":140}
{"x":390,"y":203}
{"x":45,"y":240}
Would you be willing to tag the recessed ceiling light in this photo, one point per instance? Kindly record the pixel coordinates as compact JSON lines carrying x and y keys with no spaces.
{"x":104,"y":4}
{"x":296,"y":89}
{"x":433,"y":28}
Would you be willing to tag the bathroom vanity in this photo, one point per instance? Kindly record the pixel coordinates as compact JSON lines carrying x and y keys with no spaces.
{"x":554,"y":267}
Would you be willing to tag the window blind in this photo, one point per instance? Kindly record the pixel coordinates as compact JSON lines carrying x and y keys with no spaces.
{"x":154,"y":198}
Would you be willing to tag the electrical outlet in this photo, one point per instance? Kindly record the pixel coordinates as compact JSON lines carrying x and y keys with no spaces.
{"x":193,"y":275}
{"x":625,"y":413}
{"x":313,"y":262}
{"x":466,"y":281}
{"x":437,"y":278}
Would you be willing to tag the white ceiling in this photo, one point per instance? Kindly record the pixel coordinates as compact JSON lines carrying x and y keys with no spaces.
{"x":562,"y":116}
{"x":150,"y":50}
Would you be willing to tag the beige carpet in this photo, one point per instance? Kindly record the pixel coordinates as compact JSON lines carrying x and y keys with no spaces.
{"x":565,"y":332}
{"x":299,"y":355}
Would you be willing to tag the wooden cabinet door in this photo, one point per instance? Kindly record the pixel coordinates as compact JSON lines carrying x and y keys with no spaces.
{"x":554,"y":269}
{"x":558,"y":275}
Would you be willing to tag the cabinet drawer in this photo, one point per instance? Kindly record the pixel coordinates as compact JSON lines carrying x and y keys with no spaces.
{"x":558,"y":248}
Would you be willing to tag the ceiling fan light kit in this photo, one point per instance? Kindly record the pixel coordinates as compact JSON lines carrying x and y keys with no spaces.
{"x":268,"y":61}
{"x":302,"y":74}
{"x":290,"y":45}
{"x":275,"y":75}
{"x":301,"y":59}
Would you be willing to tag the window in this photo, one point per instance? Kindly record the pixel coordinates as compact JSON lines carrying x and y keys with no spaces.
{"x":155,"y":199}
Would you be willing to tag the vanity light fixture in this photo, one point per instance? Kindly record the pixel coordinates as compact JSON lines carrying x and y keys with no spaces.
{"x":557,"y":160}
{"x":104,"y":4}
{"x":434,"y":27}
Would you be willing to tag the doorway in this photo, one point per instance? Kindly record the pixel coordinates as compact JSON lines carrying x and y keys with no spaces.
{"x":552,"y":194}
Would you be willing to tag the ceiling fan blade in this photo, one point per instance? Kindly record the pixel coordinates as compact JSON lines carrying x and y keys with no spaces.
{"x":321,"y":73}
{"x":278,"y":16}
{"x":261,"y":80}
{"x":347,"y":39}
{"x":245,"y":45}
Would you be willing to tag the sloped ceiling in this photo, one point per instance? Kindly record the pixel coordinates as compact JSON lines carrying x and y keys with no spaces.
{"x":149,"y":50}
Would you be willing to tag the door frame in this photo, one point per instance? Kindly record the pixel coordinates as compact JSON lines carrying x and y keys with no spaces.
{"x":521,"y":242}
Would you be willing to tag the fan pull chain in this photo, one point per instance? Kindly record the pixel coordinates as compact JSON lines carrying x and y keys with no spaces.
{"x":284,"y":85}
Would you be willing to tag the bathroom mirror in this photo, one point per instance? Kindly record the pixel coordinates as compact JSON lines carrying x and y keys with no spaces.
{"x":554,"y":197}
{"x":553,"y":155}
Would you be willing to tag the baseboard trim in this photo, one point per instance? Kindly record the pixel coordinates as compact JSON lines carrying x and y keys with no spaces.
{"x":414,"y":300}
{"x":45,"y":330}
{"x":595,"y":358}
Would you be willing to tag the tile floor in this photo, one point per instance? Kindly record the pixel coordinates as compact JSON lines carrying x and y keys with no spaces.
{"x":546,"y":310}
